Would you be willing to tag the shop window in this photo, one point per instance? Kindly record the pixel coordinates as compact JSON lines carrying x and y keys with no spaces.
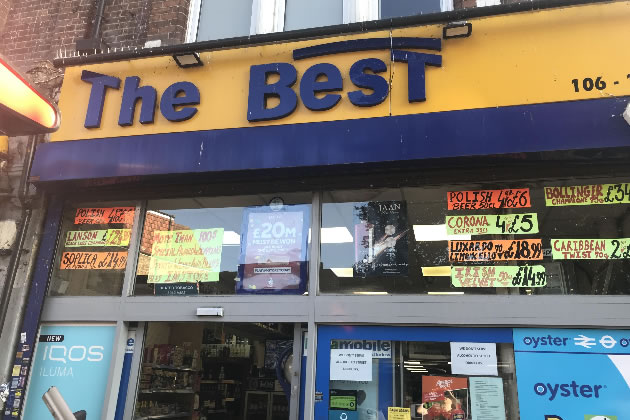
{"x":398,"y":8}
{"x":215,"y":19}
{"x":365,"y":373}
{"x":225,"y":245}
{"x":301,"y":14}
{"x":93,"y":249}
{"x":538,"y":237}
{"x":216,"y":371}
{"x":224,"y":19}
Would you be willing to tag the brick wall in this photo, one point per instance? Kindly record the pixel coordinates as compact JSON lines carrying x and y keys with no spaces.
{"x":155,"y":221}
{"x":5,"y":5}
{"x":36,"y":30}
{"x":169,"y":19}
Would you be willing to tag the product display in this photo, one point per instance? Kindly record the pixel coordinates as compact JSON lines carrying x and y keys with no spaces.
{"x":212,"y":371}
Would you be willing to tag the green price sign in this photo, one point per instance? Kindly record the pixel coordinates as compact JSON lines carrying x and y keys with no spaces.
{"x":343,"y":402}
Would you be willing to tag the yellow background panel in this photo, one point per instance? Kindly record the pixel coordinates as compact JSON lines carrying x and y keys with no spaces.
{"x":514,"y":59}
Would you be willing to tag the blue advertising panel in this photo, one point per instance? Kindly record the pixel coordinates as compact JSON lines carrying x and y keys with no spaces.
{"x":274,"y":245}
{"x":573,"y":374}
{"x":69,"y":372}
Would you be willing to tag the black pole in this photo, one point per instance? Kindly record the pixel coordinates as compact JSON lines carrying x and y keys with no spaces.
{"x":98,"y":18}
{"x":280,"y":37}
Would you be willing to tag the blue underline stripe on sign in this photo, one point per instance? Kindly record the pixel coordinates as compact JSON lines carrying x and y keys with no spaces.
{"x":370,"y":44}
{"x":611,"y":353}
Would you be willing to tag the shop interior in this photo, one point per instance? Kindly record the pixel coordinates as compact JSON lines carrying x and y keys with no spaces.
{"x":419,"y":376}
{"x":219,"y":371}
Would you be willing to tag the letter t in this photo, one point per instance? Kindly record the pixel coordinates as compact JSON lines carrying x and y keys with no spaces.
{"x":100,"y":83}
{"x":417,"y":62}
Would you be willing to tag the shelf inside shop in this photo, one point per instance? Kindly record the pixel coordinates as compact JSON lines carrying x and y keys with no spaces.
{"x":168,"y":367}
{"x":216,"y":381}
{"x":164,"y":416}
{"x":167,"y":391}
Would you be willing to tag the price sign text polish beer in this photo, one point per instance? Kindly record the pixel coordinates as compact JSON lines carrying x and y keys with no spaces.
{"x":489,"y":199}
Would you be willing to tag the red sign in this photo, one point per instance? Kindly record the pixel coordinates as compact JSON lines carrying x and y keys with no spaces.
{"x":434,"y":387}
{"x":104,"y":216}
{"x":489,"y":199}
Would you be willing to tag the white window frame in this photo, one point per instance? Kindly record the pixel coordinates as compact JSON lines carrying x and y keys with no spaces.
{"x":267,"y":16}
{"x":194,"y":14}
{"x":361,"y":10}
{"x":446,"y":5}
{"x":484,"y":3}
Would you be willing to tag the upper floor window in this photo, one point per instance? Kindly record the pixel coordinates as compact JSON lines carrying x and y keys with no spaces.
{"x":217,"y":19}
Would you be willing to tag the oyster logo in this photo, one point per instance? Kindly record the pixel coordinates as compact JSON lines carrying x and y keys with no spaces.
{"x":572,"y":389}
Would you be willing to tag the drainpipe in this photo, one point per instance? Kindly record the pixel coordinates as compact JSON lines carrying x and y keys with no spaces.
{"x":18,"y":245}
{"x":93,"y":44}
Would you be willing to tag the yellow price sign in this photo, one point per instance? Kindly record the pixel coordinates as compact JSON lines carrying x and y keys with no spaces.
{"x":398,"y":413}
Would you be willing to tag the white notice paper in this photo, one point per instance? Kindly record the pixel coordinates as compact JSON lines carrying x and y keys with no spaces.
{"x":486,"y":398}
{"x":350,"y":365}
{"x":474,"y":359}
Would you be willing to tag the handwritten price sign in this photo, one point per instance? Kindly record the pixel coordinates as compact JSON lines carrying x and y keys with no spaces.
{"x":494,"y":276}
{"x":497,"y":250}
{"x":109,"y":237}
{"x":489,"y":199}
{"x":93,"y":260}
{"x":495,"y":224}
{"x":104,"y":216}
{"x":585,"y":195}
{"x":590,"y":249}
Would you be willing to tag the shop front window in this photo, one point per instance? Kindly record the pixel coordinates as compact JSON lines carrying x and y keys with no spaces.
{"x":93,"y":249}
{"x":433,"y":374}
{"x":533,"y":237}
{"x":209,"y":371}
{"x":225,"y":245}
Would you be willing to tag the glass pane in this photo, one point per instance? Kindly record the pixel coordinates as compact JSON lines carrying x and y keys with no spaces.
{"x":399,"y":8}
{"x":532,"y":237}
{"x":225,"y":245}
{"x":422,"y":380}
{"x":301,"y":14}
{"x":224,"y":19}
{"x":92,"y":252}
{"x":222,"y":371}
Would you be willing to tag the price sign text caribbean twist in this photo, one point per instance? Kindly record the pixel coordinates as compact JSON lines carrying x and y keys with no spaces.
{"x":590,"y":249}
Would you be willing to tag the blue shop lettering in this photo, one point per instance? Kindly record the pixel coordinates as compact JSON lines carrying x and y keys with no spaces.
{"x":326,"y":78}
{"x":545,"y":341}
{"x":567,"y":390}
{"x":174,"y":104}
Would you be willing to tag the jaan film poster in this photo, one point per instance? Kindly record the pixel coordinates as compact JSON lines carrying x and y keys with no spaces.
{"x":381,"y":236}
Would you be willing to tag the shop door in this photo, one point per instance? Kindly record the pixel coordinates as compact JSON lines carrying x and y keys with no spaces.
{"x":219,"y":371}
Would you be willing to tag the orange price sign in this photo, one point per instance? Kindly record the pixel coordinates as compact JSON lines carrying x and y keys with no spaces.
{"x":489,"y":199}
{"x":93,"y":261}
{"x":495,"y":250}
{"x":104,"y":216}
